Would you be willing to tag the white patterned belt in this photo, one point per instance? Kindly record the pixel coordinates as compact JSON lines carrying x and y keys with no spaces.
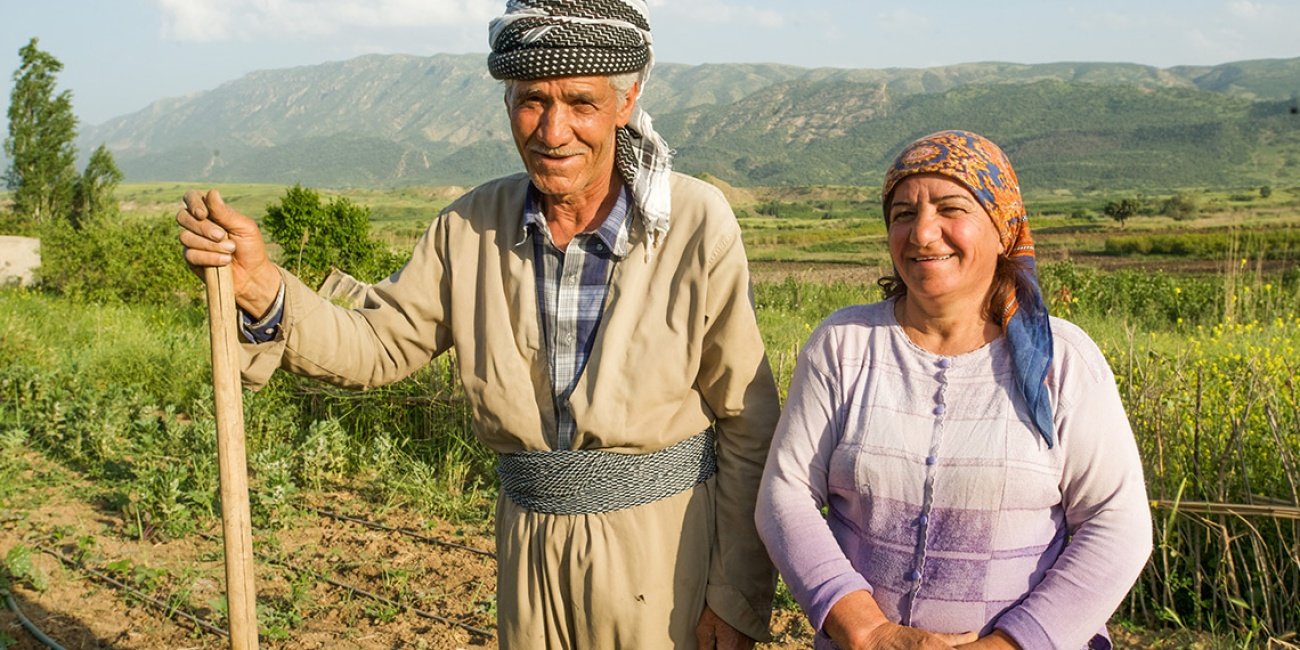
{"x":587,"y":481}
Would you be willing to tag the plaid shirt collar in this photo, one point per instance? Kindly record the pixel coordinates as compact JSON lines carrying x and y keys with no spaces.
{"x":613,"y":231}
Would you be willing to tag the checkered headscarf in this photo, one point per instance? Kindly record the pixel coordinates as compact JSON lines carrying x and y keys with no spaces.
{"x":536,"y":39}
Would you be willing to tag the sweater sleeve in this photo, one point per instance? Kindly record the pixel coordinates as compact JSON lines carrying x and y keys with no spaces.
{"x":737,"y":384}
{"x":1106,"y":509}
{"x":795,"y":487}
{"x":400,"y":326}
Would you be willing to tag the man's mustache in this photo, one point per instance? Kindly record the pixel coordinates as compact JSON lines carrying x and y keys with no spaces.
{"x":557,"y":152}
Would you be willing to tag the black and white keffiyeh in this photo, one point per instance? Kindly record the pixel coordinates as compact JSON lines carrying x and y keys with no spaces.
{"x":536,"y":39}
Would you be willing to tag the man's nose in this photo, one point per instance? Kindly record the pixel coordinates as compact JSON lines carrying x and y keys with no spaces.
{"x":555,"y":129}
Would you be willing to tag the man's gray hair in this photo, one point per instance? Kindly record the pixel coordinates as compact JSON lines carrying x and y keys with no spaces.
{"x":622,"y":83}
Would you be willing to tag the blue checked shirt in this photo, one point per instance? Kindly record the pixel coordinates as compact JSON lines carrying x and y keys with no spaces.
{"x":571,"y":288}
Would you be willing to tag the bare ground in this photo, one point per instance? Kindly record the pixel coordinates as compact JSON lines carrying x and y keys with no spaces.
{"x":58,"y":511}
{"x":297,"y":608}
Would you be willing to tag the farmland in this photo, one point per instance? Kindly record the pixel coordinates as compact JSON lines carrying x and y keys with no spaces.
{"x":107,"y":450}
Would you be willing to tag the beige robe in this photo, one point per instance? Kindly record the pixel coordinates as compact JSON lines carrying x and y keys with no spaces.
{"x":678,"y":350}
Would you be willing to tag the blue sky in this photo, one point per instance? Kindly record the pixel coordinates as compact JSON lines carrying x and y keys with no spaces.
{"x":121,"y":55}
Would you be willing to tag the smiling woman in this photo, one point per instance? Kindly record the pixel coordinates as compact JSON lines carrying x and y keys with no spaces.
{"x":972,"y":455}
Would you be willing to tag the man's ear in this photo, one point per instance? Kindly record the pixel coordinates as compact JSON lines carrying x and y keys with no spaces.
{"x":625,"y":110}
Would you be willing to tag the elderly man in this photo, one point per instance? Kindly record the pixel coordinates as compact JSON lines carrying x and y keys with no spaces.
{"x":600,"y":309}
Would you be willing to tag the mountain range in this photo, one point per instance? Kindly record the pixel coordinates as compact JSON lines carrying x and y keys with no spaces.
{"x":380,"y":120}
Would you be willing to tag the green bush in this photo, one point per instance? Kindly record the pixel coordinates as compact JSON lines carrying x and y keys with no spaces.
{"x":131,"y":260}
{"x":1180,"y":207}
{"x":316,"y":237}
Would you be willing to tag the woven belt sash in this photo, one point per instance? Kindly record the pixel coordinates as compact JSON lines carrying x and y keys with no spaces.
{"x":587,"y":481}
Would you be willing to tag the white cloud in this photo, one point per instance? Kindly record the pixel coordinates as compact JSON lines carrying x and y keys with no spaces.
{"x":1245,"y":9}
{"x":219,"y":20}
{"x":191,"y":20}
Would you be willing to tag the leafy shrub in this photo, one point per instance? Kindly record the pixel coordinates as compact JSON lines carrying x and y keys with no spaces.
{"x":131,"y":260}
{"x":1180,"y":207}
{"x":316,"y":237}
{"x":12,"y":223}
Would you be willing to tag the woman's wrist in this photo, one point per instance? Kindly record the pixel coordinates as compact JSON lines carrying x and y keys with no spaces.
{"x":853,"y":619}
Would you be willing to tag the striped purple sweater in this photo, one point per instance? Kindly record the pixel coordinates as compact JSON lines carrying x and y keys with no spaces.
{"x":941,"y":500}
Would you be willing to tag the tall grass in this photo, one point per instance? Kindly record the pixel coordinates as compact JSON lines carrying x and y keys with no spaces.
{"x":1217,"y":421}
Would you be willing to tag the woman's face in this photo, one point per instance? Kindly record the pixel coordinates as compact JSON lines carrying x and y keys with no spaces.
{"x":943,"y":243}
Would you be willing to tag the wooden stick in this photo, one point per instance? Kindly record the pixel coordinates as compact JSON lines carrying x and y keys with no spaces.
{"x":241,"y":596}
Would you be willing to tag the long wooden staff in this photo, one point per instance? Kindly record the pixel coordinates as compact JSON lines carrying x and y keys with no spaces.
{"x":241,"y":597}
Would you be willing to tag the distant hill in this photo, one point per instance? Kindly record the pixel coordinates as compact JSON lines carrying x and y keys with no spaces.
{"x":395,"y":119}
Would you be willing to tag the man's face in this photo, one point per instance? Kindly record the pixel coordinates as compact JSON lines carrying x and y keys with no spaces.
{"x":564,"y":130}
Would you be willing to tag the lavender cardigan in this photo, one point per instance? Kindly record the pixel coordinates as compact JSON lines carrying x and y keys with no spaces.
{"x":941,"y":500}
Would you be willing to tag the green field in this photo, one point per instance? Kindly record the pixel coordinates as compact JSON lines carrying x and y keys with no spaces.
{"x":1199,"y":317}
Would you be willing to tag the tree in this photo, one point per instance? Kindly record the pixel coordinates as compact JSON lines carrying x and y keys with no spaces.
{"x":316,"y":237}
{"x":1121,"y":210}
{"x":40,"y":148}
{"x":92,"y":196}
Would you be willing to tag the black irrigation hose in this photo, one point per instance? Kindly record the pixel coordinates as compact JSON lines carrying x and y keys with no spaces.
{"x":357,"y":590}
{"x":168,"y":610}
{"x":27,"y":624}
{"x":405,"y":531}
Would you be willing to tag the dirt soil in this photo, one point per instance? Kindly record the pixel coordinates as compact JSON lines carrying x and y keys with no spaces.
{"x":297,"y":608}
{"x":58,"y":511}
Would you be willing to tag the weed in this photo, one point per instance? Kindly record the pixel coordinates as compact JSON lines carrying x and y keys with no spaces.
{"x":19,"y":567}
{"x":382,"y":612}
